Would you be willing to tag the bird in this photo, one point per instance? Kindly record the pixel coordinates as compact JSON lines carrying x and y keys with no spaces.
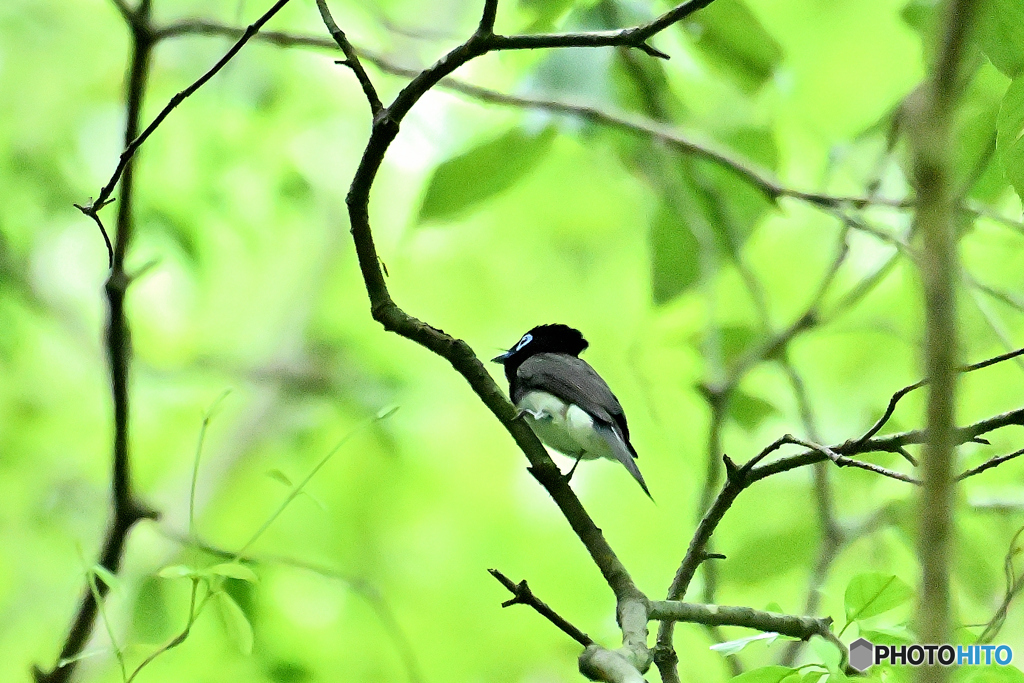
{"x":566,"y":403}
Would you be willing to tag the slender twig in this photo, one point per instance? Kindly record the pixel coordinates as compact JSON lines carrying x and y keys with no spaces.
{"x":133,"y":145}
{"x":524,"y":596}
{"x":896,"y":397}
{"x":358,"y":585}
{"x":989,"y":464}
{"x":1014,"y":586}
{"x":351,"y":58}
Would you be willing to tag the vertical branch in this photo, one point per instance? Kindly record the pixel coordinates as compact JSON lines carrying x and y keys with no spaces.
{"x":126,"y":509}
{"x":930,"y":134}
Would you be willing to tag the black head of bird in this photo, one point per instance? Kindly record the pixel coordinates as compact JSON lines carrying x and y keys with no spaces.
{"x":566,"y":403}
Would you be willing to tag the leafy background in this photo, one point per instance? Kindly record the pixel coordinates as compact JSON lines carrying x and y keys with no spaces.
{"x":490,"y":219}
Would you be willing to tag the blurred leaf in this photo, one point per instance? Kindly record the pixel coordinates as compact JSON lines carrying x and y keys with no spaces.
{"x":234,"y":570}
{"x":289,"y":672}
{"x":988,"y":674}
{"x":749,"y":411}
{"x":873,"y":593}
{"x":175,"y":571}
{"x":767,"y":674}
{"x":735,"y":43}
{"x":733,"y":205}
{"x":771,"y":553}
{"x":279,"y":476}
{"x":1010,"y":129}
{"x":546,"y":13}
{"x":482,"y":172}
{"x":150,"y":618}
{"x":386,"y":412}
{"x":105,"y":575}
{"x":640,"y":84}
{"x":891,"y":635}
{"x":731,"y":647}
{"x":1001,"y":34}
{"x":236,"y":624}
{"x":733,"y":341}
{"x":675,"y":253}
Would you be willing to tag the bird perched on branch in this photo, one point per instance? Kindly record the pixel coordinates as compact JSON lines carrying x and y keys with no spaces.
{"x":566,"y":403}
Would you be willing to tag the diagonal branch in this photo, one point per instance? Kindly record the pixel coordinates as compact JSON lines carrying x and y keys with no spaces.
{"x":891,"y":408}
{"x":524,"y":596}
{"x":351,"y":58}
{"x":133,"y":145}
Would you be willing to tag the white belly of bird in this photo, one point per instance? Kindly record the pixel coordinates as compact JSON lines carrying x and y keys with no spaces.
{"x":565,"y":427}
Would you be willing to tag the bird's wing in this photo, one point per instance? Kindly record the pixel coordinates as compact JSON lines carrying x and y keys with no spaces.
{"x":574,"y":381}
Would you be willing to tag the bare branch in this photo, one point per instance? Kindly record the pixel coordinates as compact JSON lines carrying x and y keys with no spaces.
{"x":137,"y":142}
{"x":524,"y":596}
{"x":790,"y":625}
{"x":351,"y":58}
{"x":924,"y":382}
{"x":1014,"y":586}
{"x":989,"y":464}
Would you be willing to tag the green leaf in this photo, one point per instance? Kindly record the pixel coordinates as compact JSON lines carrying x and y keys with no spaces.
{"x":766,"y":674}
{"x":894,"y":635}
{"x":279,"y":476}
{"x":176,"y":571}
{"x":731,"y":647}
{"x":732,"y":341}
{"x":1001,"y":34}
{"x":873,"y":593}
{"x":386,"y":412}
{"x":736,"y":44}
{"x":234,"y":570}
{"x":675,"y":263}
{"x":1009,"y":132}
{"x":749,"y":411}
{"x":236,"y":624}
{"x":482,"y":172}
{"x":105,"y":575}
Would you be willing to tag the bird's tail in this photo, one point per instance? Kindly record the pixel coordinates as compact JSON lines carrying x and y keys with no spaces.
{"x":624,"y":454}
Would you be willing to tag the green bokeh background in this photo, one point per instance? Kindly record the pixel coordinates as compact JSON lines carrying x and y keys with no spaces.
{"x":490,"y":220}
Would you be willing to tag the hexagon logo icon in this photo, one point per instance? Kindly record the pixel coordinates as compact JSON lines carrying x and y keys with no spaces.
{"x":862,"y":654}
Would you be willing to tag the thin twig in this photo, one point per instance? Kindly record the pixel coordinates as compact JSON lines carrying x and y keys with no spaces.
{"x":351,"y":58}
{"x":1014,"y":586}
{"x":132,"y":147}
{"x":896,"y":397}
{"x":989,"y":464}
{"x":524,"y":596}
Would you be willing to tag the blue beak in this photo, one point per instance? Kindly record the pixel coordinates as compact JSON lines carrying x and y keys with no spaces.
{"x":502,"y":358}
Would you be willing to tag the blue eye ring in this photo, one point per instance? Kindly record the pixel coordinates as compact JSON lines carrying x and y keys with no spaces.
{"x":527,"y":338}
